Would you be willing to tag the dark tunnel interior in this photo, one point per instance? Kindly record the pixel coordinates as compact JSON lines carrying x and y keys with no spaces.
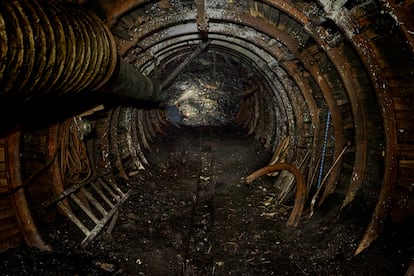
{"x":177,"y":137}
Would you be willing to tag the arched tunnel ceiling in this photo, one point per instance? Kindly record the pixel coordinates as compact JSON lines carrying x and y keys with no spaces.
{"x":332,"y":77}
{"x":330,"y":55}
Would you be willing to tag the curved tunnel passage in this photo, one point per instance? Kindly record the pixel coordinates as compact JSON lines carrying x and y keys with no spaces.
{"x":314,"y":83}
{"x":306,"y":92}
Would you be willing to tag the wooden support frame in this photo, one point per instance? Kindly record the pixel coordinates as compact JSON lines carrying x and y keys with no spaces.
{"x":107,"y":191}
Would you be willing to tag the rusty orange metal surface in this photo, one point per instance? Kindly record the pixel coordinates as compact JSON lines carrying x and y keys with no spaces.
{"x":21,"y":206}
{"x":300,"y":197}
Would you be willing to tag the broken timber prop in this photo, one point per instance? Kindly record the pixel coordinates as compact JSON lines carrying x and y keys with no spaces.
{"x":300,"y":188}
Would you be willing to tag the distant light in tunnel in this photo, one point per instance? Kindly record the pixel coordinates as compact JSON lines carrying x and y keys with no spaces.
{"x":207,"y":94}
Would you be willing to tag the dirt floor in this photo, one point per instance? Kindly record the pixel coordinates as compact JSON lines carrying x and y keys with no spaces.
{"x":191,"y":214}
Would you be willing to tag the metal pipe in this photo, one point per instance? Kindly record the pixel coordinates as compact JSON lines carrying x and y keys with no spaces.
{"x":131,"y":84}
{"x":200,"y":48}
{"x":47,"y":48}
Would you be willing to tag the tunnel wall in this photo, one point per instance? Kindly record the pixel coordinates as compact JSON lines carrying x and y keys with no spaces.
{"x":335,"y":48}
{"x":341,"y":58}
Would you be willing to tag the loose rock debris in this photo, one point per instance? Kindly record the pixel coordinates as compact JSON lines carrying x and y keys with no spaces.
{"x":177,"y":223}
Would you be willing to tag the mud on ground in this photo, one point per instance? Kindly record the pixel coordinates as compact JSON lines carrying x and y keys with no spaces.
{"x":191,"y":214}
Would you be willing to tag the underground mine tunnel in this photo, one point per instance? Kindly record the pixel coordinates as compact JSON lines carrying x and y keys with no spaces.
{"x":270,"y":137}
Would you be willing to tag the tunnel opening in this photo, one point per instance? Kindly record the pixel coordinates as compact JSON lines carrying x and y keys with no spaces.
{"x":208,"y":92}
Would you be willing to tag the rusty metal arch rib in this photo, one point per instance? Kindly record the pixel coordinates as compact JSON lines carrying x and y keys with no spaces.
{"x":24,"y":216}
{"x":368,"y":57}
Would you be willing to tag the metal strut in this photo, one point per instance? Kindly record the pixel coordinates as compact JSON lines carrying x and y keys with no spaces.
{"x":300,"y":196}
{"x":201,"y":47}
{"x":202,"y":20}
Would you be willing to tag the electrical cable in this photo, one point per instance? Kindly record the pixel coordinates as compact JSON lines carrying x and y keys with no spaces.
{"x":74,"y":161}
{"x":325,"y":141}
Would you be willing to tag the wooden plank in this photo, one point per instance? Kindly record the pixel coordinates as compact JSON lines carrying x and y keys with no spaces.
{"x":274,"y":16}
{"x":403,"y":103}
{"x":5,"y":203}
{"x":5,"y":214}
{"x":402,"y":81}
{"x":404,"y":92}
{"x":407,"y":164}
{"x":385,"y":45}
{"x":400,"y":69}
{"x":11,"y":242}
{"x":8,"y":227}
{"x":252,"y":8}
{"x":406,"y":116}
{"x":260,"y":9}
{"x":10,"y":234}
{"x":405,"y":137}
{"x":405,"y":124}
{"x":379,"y":26}
{"x":406,"y":151}
{"x":406,"y":179}
{"x":403,"y":205}
{"x":363,"y":11}
{"x":89,"y":237}
{"x":3,"y":180}
{"x":2,"y":155}
{"x":284,"y":23}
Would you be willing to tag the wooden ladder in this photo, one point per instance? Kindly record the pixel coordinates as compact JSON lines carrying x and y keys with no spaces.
{"x":97,"y":201}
